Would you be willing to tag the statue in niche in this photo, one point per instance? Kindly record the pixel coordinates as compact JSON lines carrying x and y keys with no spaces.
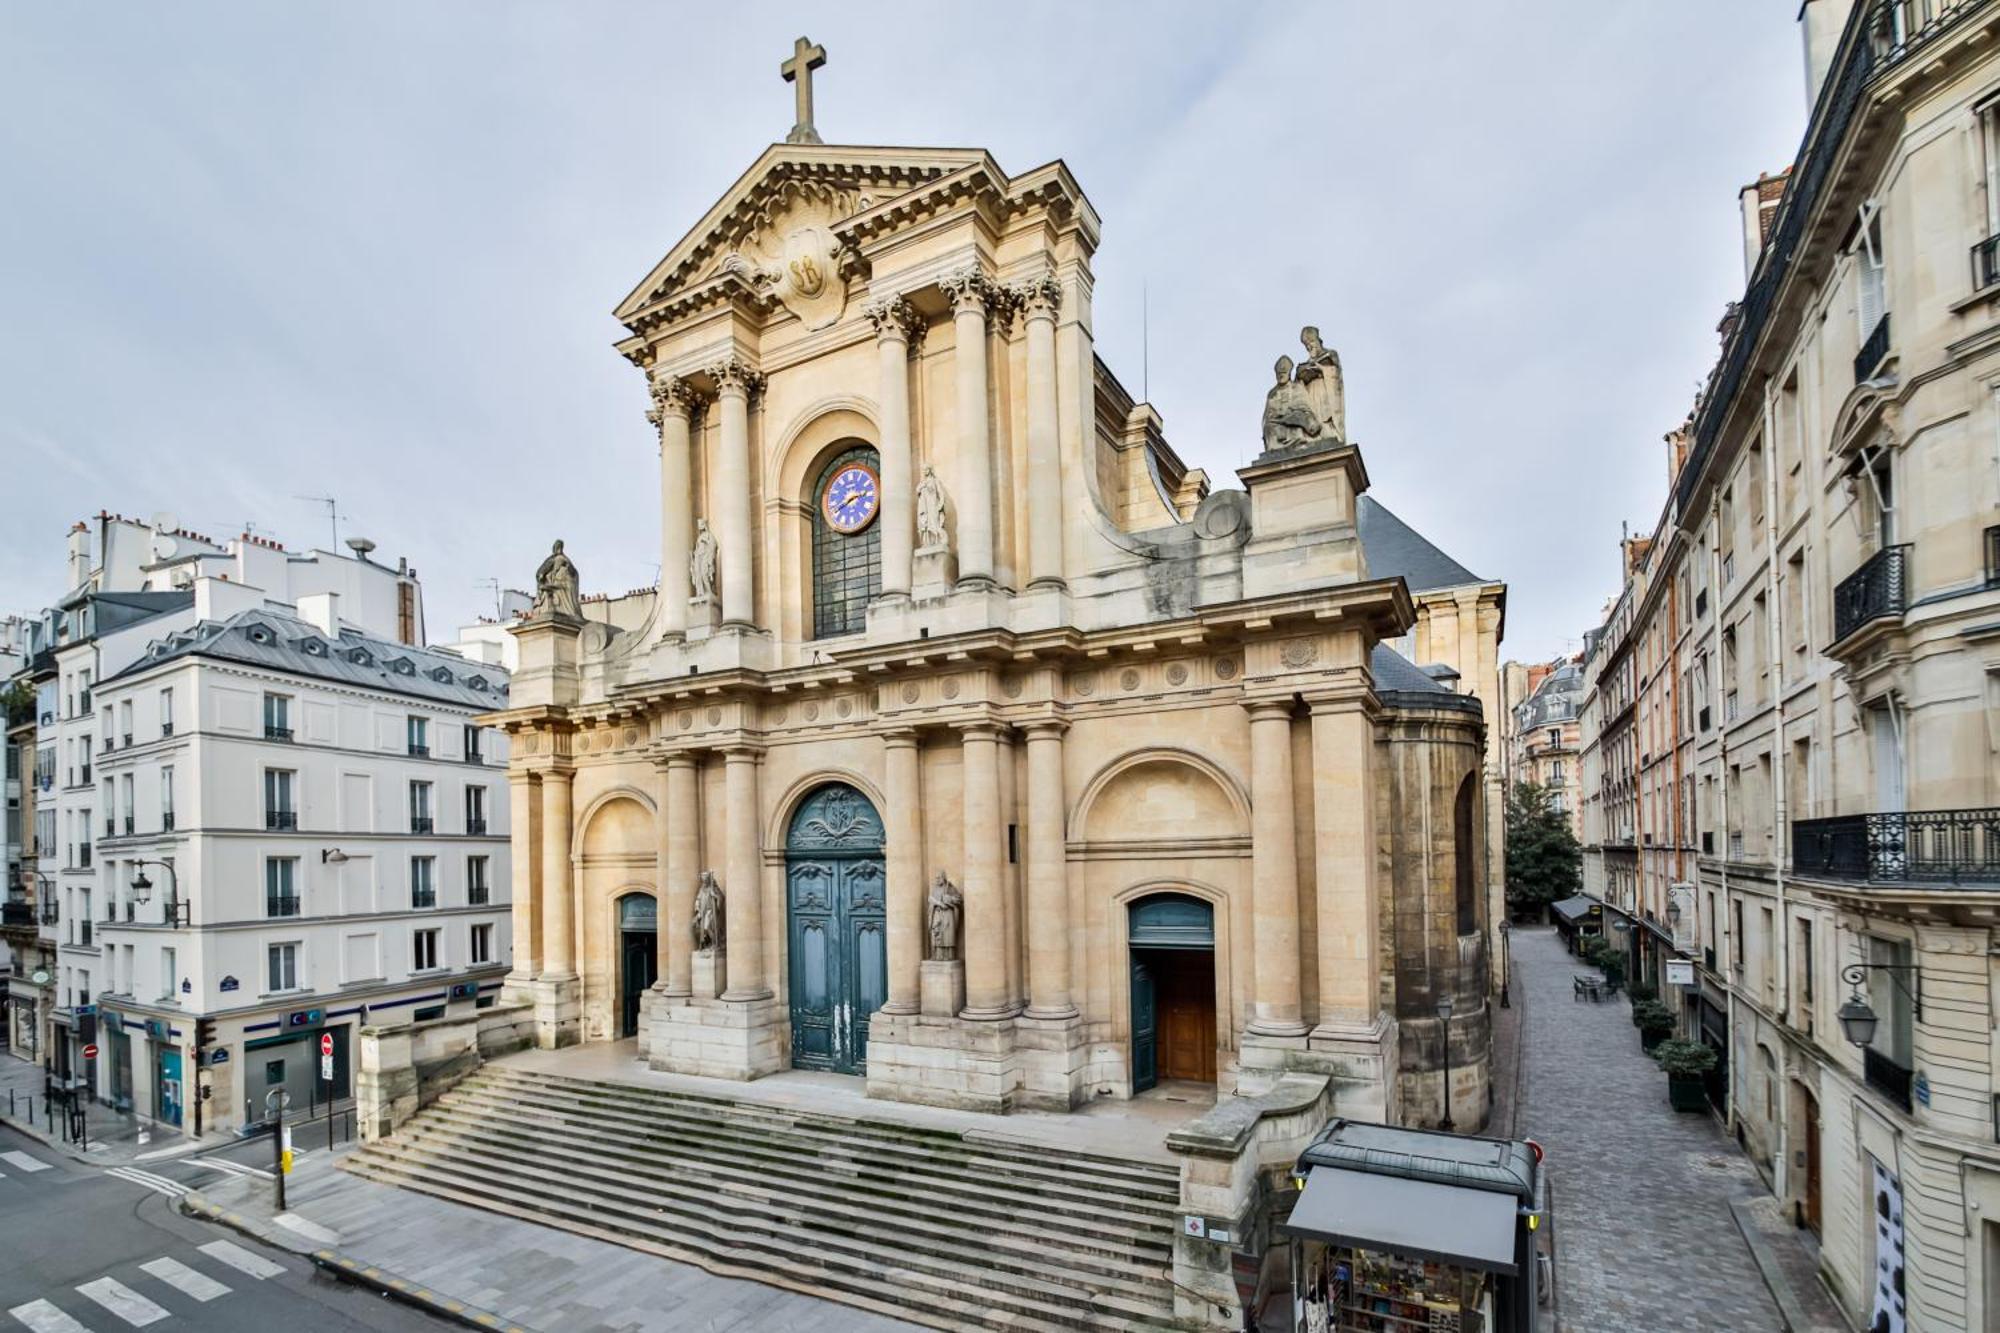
{"x":944,"y":908}
{"x":930,"y":510}
{"x":1289,"y":418}
{"x":707,"y":912}
{"x":701,"y":561}
{"x":1324,"y":386}
{"x":556,"y":596}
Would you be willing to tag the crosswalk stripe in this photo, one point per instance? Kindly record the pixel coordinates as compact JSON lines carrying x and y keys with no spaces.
{"x":242,"y":1260}
{"x":146,"y":1179}
{"x":233,"y":1168}
{"x":122,"y":1301}
{"x":188,"y":1281}
{"x":41,"y":1317}
{"x":25,"y":1162}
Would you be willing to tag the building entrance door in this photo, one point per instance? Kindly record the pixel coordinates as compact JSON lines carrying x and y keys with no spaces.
{"x":835,"y":922}
{"x":167,"y":1082}
{"x":1809,"y":1205}
{"x":638,"y":957}
{"x":1172,"y":942}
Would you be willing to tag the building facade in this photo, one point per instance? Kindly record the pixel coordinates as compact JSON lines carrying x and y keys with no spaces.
{"x":1543,"y":742}
{"x":970,"y":744}
{"x":1813,"y":640}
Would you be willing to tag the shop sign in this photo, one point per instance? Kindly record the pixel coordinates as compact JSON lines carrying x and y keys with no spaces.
{"x":465,"y":990}
{"x":1920,"y":1088}
{"x":305,"y":1018}
{"x":1680,"y":971}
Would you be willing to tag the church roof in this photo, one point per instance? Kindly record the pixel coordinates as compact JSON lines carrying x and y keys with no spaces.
{"x":1393,"y":671}
{"x":1392,"y":547}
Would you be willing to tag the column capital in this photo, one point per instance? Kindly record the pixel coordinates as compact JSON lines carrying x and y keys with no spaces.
{"x":969,"y":290}
{"x":1037,"y":298}
{"x":984,"y":729}
{"x":1358,"y":697}
{"x":734,"y":375}
{"x":897,"y":738}
{"x":672,"y":397}
{"x":1269,"y":706}
{"x":895,"y":319}
{"x":741,"y":750}
{"x":1043,"y":728}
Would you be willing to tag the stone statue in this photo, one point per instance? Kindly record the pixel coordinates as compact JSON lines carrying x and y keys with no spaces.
{"x":1325,"y":389}
{"x":930,"y":510}
{"x":707,"y":912}
{"x":1289,"y":418}
{"x":701,"y":561}
{"x":944,"y":906}
{"x":555,"y":589}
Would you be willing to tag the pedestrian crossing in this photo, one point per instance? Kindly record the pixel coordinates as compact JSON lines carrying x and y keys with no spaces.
{"x":173,"y":1189}
{"x":136,"y":1299}
{"x":20,"y":1164}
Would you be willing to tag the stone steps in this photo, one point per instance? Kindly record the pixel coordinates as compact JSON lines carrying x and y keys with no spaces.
{"x":917,"y":1222}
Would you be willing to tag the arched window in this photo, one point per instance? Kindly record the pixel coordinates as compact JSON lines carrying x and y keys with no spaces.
{"x":846,"y":542}
{"x":1464,"y":856}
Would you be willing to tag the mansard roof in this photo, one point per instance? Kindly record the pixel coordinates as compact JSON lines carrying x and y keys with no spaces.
{"x":276,"y":641}
{"x":1393,"y":547}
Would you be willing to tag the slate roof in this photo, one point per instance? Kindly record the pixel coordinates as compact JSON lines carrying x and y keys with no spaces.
{"x":1393,"y":547}
{"x":279,"y":642}
{"x":1393,"y":671}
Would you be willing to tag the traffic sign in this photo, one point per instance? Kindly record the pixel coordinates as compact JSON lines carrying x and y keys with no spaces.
{"x":90,"y":1051}
{"x":326,"y":1043}
{"x":326,"y":1068}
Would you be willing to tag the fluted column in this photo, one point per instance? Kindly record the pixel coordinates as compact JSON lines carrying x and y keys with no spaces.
{"x":743,"y":879}
{"x":673,"y":413}
{"x":1343,"y":750}
{"x":1038,"y":302}
{"x":1048,"y":876}
{"x":730,"y":496}
{"x":985,"y":913}
{"x":683,"y":868}
{"x":559,"y":908}
{"x":969,"y":292}
{"x":894,"y":319}
{"x":904,"y":857}
{"x":1274,"y":871}
{"x":522,"y":849}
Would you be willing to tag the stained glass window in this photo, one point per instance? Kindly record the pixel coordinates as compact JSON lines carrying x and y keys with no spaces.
{"x":846,"y":567}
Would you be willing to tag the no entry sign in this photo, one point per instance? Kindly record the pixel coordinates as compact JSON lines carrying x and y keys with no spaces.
{"x":90,"y":1051}
{"x":326,"y":1043}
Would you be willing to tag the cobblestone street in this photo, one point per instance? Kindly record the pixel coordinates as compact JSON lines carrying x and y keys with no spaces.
{"x":1644,"y":1237}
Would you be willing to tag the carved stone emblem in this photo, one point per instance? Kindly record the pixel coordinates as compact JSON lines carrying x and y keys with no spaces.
{"x":793,"y":256}
{"x":1299,"y":652}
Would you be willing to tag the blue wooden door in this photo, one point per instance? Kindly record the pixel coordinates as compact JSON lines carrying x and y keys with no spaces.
{"x":835,"y":907}
{"x":1145,"y":1027}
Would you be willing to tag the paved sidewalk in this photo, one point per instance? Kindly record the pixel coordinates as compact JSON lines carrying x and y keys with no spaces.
{"x":1646,"y":1238}
{"x":112,"y":1137}
{"x":526,"y":1275}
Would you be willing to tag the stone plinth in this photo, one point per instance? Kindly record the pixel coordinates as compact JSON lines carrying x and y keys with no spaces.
{"x":558,"y":1010}
{"x":1052,"y":1060}
{"x":739,"y":1039}
{"x":941,"y":987}
{"x":711,"y":974}
{"x":704,"y":615}
{"x":967,"y":1064}
{"x":933,"y":569}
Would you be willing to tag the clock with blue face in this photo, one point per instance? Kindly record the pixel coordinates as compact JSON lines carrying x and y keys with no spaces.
{"x":852,"y":496}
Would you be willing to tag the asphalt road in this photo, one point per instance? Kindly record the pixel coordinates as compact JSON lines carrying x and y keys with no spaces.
{"x":86,"y":1248}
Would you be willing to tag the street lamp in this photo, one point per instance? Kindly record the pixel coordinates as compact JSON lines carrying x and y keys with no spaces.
{"x":1444,"y":1028}
{"x":176,"y":913}
{"x":1857,"y":1017}
{"x":332,"y":856}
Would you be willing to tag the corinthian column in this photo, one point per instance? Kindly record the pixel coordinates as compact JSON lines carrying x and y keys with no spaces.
{"x":1037,"y":302}
{"x":985,"y":913}
{"x":521,"y":844}
{"x":969,"y":292}
{"x":904,"y":858}
{"x":743,"y":890}
{"x":1048,"y":882}
{"x":894,"y":319}
{"x":672,"y":412}
{"x":558,"y":910}
{"x":730,"y":497}
{"x":1274,"y":871}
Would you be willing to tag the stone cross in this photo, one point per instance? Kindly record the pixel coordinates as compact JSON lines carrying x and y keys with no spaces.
{"x":798,"y":70}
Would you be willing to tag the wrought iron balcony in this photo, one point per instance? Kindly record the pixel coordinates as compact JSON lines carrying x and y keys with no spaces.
{"x":272,"y":733}
{"x":17,"y":914}
{"x":1886,"y":1076}
{"x":1879,"y":588}
{"x":422,"y":824}
{"x":1905,"y":847}
{"x":281,"y":904}
{"x":474,"y":826}
{"x":1874,"y":349}
{"x":281,"y":820}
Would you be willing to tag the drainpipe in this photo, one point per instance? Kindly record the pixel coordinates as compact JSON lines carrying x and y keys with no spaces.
{"x":1723,"y":928}
{"x":1781,"y":849}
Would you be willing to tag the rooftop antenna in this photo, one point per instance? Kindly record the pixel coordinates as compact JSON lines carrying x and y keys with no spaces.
{"x":1145,"y":343}
{"x":492,"y":585}
{"x":332,"y":514}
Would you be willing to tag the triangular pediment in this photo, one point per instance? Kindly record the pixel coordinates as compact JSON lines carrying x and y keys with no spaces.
{"x":793,"y":187}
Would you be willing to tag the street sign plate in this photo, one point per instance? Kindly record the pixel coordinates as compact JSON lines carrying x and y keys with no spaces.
{"x":90,"y":1051}
{"x":326,"y":1043}
{"x":326,"y":1068}
{"x":1680,"y":972}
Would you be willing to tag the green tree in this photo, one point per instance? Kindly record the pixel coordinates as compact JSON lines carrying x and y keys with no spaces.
{"x":1544,"y":861}
{"x":17,"y":702}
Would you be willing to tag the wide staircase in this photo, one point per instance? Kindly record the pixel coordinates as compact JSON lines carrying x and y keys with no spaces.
{"x":922,"y":1224}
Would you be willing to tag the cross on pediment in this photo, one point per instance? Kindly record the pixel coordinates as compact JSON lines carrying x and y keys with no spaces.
{"x":799,"y":71}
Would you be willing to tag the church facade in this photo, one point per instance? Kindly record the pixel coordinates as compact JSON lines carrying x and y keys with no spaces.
{"x":972,"y":744}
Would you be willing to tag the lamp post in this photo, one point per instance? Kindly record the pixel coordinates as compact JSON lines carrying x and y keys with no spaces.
{"x":1857,"y":1017}
{"x":176,"y":911}
{"x":1444,"y":1031}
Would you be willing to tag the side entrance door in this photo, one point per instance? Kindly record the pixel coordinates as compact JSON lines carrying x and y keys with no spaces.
{"x":835,"y":909}
{"x":1145,"y":1027}
{"x":167,"y":1082}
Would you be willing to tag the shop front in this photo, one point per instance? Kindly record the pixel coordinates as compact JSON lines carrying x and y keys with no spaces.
{"x":1577,"y":919}
{"x":1396,"y":1230}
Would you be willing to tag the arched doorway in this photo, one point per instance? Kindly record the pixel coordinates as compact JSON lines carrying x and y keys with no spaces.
{"x":638,"y":956}
{"x":837,"y":956}
{"x":1171,"y":938}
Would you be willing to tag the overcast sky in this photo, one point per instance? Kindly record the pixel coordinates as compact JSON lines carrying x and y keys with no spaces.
{"x":369,"y":250}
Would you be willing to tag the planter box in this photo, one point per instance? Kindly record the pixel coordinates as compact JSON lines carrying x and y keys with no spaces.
{"x":1687,"y":1094}
{"x":1648,"y":1040}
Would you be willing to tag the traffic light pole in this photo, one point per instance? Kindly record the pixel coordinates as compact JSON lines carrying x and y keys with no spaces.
{"x":278,"y":1151}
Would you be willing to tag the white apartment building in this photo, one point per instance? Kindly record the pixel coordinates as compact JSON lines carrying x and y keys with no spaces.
{"x":303,"y":827}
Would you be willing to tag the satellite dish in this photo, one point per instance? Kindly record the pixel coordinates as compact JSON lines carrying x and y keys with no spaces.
{"x":361,"y":546}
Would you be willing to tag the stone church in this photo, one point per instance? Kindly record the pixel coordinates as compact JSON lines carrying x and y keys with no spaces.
{"x":971,"y":743}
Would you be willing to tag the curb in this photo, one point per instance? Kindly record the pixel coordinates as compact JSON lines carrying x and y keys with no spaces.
{"x":1791,"y":1312}
{"x":355,"y":1272}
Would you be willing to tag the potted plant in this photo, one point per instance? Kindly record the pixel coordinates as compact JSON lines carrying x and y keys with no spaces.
{"x":1638,"y":993}
{"x":1686,"y":1063}
{"x":1655,"y":1022}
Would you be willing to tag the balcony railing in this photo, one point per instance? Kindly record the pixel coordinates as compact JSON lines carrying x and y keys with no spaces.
{"x":281,"y":820}
{"x":1886,"y":1076}
{"x":1908,"y":847}
{"x":167,"y":821}
{"x":272,"y":733}
{"x":1874,"y":348}
{"x":1879,"y":588}
{"x":422,"y":824}
{"x":477,"y":895}
{"x":166,"y":730}
{"x":281,"y":904}
{"x":17,"y":914}
{"x":474,"y":826}
{"x":51,"y":914}
{"x":419,"y":751}
{"x":83,"y":857}
{"x":422,"y":897}
{"x":83,"y":934}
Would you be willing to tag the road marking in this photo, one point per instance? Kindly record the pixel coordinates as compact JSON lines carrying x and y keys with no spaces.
{"x":228,"y":1167}
{"x":188,"y":1281}
{"x":25,"y":1162}
{"x":122,"y":1301}
{"x":242,"y":1260}
{"x":146,"y":1179}
{"x":41,"y":1317}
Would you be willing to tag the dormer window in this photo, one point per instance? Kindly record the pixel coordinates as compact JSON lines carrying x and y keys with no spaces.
{"x":442,"y":675}
{"x":312,"y":647}
{"x":361,"y":657}
{"x":258,"y":634}
{"x":477,"y":683}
